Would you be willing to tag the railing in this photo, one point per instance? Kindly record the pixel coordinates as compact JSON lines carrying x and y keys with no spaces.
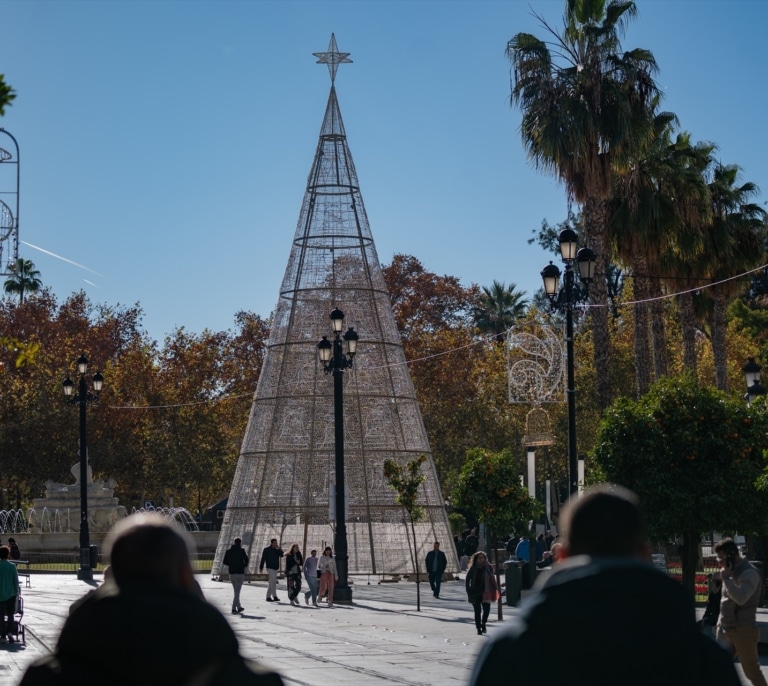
{"x":62,"y":562}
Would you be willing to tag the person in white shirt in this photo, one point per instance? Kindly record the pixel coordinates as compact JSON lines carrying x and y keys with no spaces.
{"x":328,"y":574}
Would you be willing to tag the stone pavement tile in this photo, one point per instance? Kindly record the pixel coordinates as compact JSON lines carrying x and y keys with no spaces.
{"x":381,"y":640}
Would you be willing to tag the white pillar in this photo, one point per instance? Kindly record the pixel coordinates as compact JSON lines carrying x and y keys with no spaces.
{"x":548,"y":496}
{"x":581,"y":476}
{"x":532,"y":472}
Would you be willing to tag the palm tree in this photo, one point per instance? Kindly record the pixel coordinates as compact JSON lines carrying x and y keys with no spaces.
{"x":734,"y":245}
{"x":660,"y":202}
{"x":500,"y":307}
{"x":25,"y":279}
{"x":585,"y":107}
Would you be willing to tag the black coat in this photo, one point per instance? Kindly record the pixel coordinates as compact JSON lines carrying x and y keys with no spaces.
{"x":293,"y":564}
{"x":609,"y":621}
{"x":442,"y":561}
{"x":236,"y":559}
{"x":271,"y":558}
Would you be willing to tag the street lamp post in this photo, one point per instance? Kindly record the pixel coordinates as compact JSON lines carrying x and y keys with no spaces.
{"x":752,"y":375}
{"x":585,"y":259}
{"x":83,"y":397}
{"x":335,"y":361}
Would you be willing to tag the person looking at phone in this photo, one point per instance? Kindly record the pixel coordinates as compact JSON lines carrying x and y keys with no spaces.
{"x":737,"y":623}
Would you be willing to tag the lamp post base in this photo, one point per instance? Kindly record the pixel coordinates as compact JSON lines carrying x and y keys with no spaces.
{"x":84,"y":574}
{"x":342,"y":595}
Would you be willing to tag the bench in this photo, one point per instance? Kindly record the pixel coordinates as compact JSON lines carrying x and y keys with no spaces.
{"x":25,"y":574}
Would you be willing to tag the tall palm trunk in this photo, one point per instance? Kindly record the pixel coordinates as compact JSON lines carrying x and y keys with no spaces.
{"x":688,"y":326}
{"x":658,"y":331}
{"x":718,"y":338}
{"x":642,"y":341}
{"x":595,"y":215}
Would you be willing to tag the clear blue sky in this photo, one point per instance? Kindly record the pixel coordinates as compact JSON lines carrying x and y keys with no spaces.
{"x":166,"y":144}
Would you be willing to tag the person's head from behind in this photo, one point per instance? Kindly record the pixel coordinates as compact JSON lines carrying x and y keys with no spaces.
{"x":273,"y":543}
{"x":238,"y":542}
{"x":604,"y":522}
{"x":147,"y":548}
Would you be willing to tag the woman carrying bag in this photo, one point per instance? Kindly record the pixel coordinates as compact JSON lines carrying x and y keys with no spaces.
{"x":482,"y":589}
{"x":293,"y":564}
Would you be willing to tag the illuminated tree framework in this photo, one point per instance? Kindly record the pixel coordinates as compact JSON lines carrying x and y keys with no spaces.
{"x":9,"y":220}
{"x":286,"y":468}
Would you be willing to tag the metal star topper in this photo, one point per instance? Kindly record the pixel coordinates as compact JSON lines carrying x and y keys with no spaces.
{"x":333,"y":58}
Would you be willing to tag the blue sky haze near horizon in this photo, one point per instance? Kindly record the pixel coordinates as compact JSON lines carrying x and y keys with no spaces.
{"x":165,"y":145}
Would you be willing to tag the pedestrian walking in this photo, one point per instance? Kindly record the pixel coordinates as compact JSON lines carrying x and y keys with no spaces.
{"x":9,"y":594}
{"x":293,"y":564}
{"x":737,"y":624}
{"x":436,"y":564}
{"x":482,"y":589}
{"x":237,"y":561}
{"x":471,"y":542}
{"x":270,"y":557}
{"x":15,"y":552}
{"x":328,"y":574}
{"x":606,"y":614}
{"x":310,"y":574}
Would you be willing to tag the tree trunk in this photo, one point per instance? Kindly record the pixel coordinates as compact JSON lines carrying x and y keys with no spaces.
{"x":500,"y":614}
{"x":641,"y":326}
{"x":658,"y":331}
{"x":688,"y":325}
{"x":416,"y":565}
{"x":594,"y":230}
{"x":689,"y":557}
{"x":718,"y":339}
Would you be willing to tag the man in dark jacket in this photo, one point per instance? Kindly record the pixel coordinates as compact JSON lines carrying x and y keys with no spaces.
{"x":149,"y":625}
{"x":270,"y":557}
{"x":608,"y":615}
{"x":236,"y":560}
{"x":436,"y":564}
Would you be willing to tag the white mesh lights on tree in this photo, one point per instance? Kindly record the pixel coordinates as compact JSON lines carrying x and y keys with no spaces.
{"x":285,"y":471}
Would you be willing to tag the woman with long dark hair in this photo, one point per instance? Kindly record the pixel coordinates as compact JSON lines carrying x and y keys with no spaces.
{"x":482,"y":589}
{"x":293,"y":564}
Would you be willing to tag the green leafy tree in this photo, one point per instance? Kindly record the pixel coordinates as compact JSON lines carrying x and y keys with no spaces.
{"x":25,"y":279}
{"x":489,"y":486}
{"x":24,"y":353}
{"x":407,"y":480}
{"x":693,"y":455}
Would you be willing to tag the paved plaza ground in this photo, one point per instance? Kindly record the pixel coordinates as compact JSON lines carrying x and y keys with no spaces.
{"x":381,"y":639}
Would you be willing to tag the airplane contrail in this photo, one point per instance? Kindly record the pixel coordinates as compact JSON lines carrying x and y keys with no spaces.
{"x":91,"y":283}
{"x":64,"y":259}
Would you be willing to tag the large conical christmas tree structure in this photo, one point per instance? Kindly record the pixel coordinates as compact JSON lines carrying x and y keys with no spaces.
{"x":285,"y":476}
